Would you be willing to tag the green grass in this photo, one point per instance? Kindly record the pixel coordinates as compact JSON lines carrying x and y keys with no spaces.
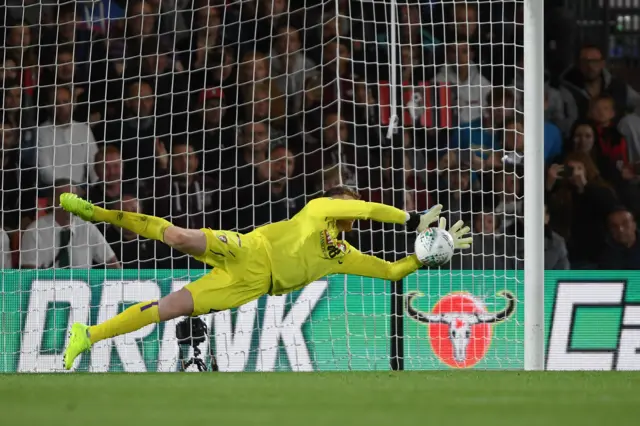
{"x":465,"y":398}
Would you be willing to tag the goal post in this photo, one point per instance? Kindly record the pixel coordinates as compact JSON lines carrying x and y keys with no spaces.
{"x":534,"y":185}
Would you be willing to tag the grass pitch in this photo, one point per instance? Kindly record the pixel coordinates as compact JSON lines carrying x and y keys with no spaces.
{"x":408,"y":398}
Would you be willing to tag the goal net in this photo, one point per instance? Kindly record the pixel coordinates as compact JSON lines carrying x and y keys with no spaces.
{"x":234,"y":114}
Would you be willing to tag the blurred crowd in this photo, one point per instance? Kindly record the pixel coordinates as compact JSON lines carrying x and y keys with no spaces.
{"x":233,"y":114}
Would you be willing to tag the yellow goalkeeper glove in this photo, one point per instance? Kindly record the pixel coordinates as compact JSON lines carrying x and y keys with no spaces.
{"x":420,"y":222}
{"x":458,"y":231}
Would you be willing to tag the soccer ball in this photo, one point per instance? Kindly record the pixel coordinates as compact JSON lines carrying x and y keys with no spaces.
{"x":434,"y":247}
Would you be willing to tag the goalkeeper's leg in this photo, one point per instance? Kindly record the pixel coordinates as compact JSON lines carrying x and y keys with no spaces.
{"x":180,"y":303}
{"x":216,"y":291}
{"x":172,"y":306}
{"x":189,"y":241}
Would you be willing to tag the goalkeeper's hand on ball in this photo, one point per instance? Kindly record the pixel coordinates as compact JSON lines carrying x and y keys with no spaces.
{"x":421,"y":222}
{"x":458,"y":232}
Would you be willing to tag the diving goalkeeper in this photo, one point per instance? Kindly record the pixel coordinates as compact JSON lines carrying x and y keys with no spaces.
{"x":273,"y":259}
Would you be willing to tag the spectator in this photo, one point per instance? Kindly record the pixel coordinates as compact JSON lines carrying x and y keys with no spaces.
{"x":290,"y":65}
{"x":552,"y":136}
{"x":159,"y":63}
{"x":612,"y":144}
{"x":366,"y":113}
{"x":590,"y":79}
{"x":330,"y":178}
{"x":454,"y":192}
{"x":66,"y":148}
{"x":560,"y":109}
{"x":414,"y":32}
{"x":138,"y":132}
{"x":470,"y":88}
{"x":481,"y":135}
{"x":490,"y":250}
{"x":63,"y":71}
{"x":260,"y":105}
{"x":67,"y":30}
{"x":253,"y":144}
{"x":465,"y":21}
{"x":629,"y":127}
{"x":622,"y":250}
{"x":20,"y":47}
{"x":9,"y":73}
{"x":338,"y":75}
{"x":202,"y":41}
{"x":12,"y":101}
{"x":312,"y":111}
{"x":107,"y":191}
{"x":337,"y":147}
{"x":584,"y":139}
{"x":271,"y":198}
{"x":222,"y":70}
{"x":556,"y":256}
{"x":206,"y":19}
{"x":578,"y":203}
{"x":412,"y":66}
{"x":133,"y":251}
{"x":184,"y":196}
{"x":508,"y":198}
{"x":17,"y":186}
{"x":213,"y":132}
{"x":254,"y":68}
{"x":62,"y":240}
{"x":141,"y":23}
{"x":513,"y":144}
{"x":259,"y":26}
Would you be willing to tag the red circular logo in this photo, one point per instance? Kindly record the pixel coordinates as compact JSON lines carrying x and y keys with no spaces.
{"x":461,"y":341}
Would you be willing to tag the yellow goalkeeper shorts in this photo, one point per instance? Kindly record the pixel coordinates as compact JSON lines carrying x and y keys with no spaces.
{"x":241,"y":273}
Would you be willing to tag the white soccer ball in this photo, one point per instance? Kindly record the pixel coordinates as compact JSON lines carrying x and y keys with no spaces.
{"x":434,"y":247}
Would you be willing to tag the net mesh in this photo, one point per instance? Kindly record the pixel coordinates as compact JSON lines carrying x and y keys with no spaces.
{"x":231,"y":115}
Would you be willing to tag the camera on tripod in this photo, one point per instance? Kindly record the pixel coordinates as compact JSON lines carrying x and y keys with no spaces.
{"x":191,"y":332}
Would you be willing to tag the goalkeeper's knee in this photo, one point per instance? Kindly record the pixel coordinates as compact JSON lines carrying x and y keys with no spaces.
{"x":174,"y":305}
{"x":190,"y":241}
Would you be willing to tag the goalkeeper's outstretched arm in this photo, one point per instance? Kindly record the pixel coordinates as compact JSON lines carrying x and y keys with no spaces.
{"x":341,"y":209}
{"x":357,"y":263}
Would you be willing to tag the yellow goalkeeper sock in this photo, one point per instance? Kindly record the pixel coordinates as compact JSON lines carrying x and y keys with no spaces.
{"x":147,"y":226}
{"x":131,"y":319}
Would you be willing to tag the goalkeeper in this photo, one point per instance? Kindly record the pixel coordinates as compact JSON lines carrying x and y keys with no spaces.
{"x":274,"y":259}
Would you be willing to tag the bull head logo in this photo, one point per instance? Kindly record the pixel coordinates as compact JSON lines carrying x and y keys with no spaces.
{"x":464,"y":318}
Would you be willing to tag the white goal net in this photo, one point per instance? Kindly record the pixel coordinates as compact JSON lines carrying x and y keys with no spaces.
{"x":233,"y":114}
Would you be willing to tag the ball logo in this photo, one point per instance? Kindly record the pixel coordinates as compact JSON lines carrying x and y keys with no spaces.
{"x":459,"y":326}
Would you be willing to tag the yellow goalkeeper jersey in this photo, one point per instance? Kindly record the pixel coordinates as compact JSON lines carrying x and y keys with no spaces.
{"x":306,"y":247}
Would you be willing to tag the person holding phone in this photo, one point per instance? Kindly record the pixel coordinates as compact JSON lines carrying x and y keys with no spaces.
{"x":579,"y":200}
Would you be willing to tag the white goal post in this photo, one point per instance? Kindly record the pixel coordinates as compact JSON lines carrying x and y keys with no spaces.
{"x":232,"y":114}
{"x":534,"y":185}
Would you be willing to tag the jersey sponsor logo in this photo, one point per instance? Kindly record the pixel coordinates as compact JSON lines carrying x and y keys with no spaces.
{"x":328,"y":238}
{"x":459,"y":324}
{"x":330,"y":247}
{"x":333,"y":251}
